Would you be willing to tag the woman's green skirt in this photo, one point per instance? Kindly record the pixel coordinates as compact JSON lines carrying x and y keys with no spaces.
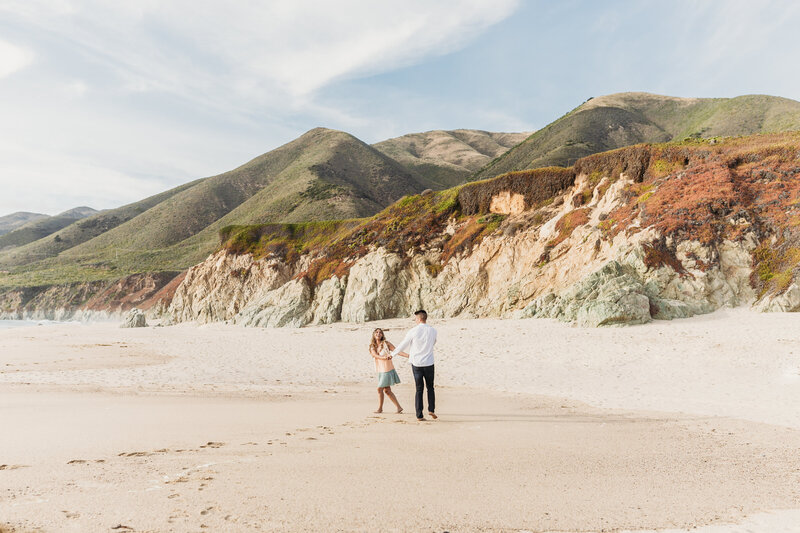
{"x":387,"y":379}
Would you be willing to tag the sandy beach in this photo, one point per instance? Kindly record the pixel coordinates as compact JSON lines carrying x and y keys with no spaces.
{"x":669,"y":426}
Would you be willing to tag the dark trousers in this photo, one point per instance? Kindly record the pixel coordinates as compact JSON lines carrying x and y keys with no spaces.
{"x":424,"y":373}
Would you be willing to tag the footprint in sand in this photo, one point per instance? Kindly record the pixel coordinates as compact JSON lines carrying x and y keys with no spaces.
{"x":13,"y":467}
{"x":212,"y":444}
{"x":206,"y":511}
{"x":70,"y":514}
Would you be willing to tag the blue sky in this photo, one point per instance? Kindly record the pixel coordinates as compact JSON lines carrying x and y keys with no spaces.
{"x":104,"y":103}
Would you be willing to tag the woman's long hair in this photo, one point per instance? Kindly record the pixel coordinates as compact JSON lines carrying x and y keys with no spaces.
{"x":374,"y":343}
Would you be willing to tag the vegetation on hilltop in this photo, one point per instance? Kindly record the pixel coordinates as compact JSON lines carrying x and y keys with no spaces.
{"x":624,"y":119}
{"x":534,"y":186}
{"x":403,"y":228}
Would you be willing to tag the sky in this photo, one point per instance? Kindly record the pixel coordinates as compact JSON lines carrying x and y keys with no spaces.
{"x":105,"y":103}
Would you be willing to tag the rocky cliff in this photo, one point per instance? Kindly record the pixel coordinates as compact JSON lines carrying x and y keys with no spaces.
{"x":644,"y":232}
{"x":91,"y":300}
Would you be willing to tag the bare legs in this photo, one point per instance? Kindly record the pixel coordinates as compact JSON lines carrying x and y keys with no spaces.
{"x":392,"y":397}
{"x":380,"y":400}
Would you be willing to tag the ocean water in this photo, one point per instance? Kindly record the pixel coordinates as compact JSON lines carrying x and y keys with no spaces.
{"x":8,"y":324}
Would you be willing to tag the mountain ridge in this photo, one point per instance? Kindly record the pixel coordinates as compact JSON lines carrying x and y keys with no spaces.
{"x":41,"y":227}
{"x":623,"y":119}
{"x":14,"y":220}
{"x":448,"y":157}
{"x":322,"y":174}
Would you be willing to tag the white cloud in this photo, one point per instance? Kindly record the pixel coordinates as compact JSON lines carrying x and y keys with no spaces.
{"x":263,"y":51}
{"x":128,"y":98}
{"x":13,"y":58}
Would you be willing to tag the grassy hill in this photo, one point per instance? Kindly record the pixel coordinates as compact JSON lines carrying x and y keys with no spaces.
{"x":324,"y":174}
{"x":15,"y":220}
{"x":39,"y":228}
{"x":447,"y":158}
{"x":83,"y":230}
{"x":623,"y":119}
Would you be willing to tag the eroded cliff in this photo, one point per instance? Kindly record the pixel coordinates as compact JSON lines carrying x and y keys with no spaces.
{"x":649,"y":231}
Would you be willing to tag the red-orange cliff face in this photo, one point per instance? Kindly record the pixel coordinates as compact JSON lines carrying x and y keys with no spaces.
{"x":716,"y":192}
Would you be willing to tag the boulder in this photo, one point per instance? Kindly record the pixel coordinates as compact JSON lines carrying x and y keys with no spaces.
{"x":134,"y":319}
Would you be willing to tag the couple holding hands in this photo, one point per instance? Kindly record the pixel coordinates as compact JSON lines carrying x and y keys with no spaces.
{"x":419,"y":342}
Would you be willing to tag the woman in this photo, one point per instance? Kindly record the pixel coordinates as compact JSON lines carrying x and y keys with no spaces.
{"x":379,"y":348}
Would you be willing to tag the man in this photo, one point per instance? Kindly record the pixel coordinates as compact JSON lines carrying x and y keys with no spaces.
{"x":420,"y":340}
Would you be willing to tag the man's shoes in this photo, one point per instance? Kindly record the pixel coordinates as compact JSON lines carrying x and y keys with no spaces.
{"x":432,"y":415}
{"x":421,"y":419}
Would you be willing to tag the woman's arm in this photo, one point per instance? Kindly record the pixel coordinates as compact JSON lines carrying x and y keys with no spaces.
{"x":374,"y":353}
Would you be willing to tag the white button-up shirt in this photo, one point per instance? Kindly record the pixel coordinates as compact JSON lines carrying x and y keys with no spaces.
{"x":420,"y":340}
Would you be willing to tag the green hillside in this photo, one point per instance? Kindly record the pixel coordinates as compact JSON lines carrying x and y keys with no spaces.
{"x":15,"y":220}
{"x":39,"y":228}
{"x":447,"y":158}
{"x":623,"y":119}
{"x":324,"y":174}
{"x":83,"y":230}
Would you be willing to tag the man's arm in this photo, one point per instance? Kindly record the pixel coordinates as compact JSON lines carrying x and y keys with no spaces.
{"x":391,"y":347}
{"x":405,"y":343}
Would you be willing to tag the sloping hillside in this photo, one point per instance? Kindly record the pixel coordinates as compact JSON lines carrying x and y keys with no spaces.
{"x":446,"y":158}
{"x":42,"y":227}
{"x":324,"y":174}
{"x":15,"y":220}
{"x":83,"y":230}
{"x":623,"y":119}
